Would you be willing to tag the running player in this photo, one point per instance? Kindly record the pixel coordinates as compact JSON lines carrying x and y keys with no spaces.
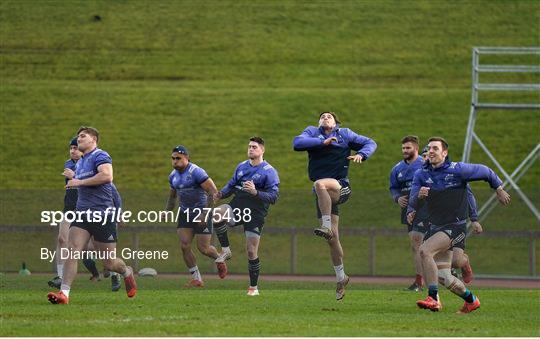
{"x":192,"y":186}
{"x":93,"y":178}
{"x":329,"y":151}
{"x":70,"y":203}
{"x":459,"y":258}
{"x":443,"y":184}
{"x":255,"y":185}
{"x":401,"y":178}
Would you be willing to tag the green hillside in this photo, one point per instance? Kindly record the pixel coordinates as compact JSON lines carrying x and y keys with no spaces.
{"x":151,"y":75}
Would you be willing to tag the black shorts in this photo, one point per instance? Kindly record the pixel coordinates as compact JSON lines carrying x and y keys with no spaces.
{"x":256,"y":220}
{"x":418,"y":227}
{"x":196,"y":226}
{"x":70,"y":200}
{"x":101,"y":232}
{"x":344,"y":194}
{"x":456,"y":232}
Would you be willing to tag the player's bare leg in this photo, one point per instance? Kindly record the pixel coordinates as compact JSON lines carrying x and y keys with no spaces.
{"x":186,"y":237}
{"x":461,"y":260}
{"x":115,"y":264}
{"x":416,"y":239}
{"x":336,"y":254}
{"x":453,"y":284}
{"x":327,"y":191}
{"x":78,"y":238}
{"x":204,"y":246}
{"x":439,"y":242}
{"x":62,"y":243}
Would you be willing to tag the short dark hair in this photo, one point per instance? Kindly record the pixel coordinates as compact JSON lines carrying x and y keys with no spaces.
{"x":442,"y":141}
{"x":89,"y":130}
{"x":258,"y":140}
{"x":411,"y":138}
{"x":333,"y":114}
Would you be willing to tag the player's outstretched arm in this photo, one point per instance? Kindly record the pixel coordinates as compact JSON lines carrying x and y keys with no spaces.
{"x":473,"y":211}
{"x":475,"y":172}
{"x":307,"y":140}
{"x":364,"y":146}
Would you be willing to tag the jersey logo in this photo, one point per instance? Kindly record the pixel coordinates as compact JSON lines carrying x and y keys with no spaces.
{"x":400,"y":175}
{"x":256,"y":229}
{"x":256,"y":176}
{"x":453,"y":164}
{"x":429,"y":181}
{"x":448,"y":177}
{"x":241,"y":173}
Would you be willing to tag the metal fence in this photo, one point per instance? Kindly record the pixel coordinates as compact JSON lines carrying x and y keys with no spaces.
{"x":293,"y":232}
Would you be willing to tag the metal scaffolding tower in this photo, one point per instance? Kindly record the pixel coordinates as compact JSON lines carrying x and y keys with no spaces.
{"x":477,"y":105}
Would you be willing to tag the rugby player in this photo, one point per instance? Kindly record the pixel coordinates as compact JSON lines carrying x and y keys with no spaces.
{"x":192,"y":186}
{"x":459,"y":258}
{"x":401,"y":178}
{"x":443,"y":184}
{"x":329,"y":152}
{"x":70,"y":203}
{"x":255,"y":185}
{"x":93,"y":178}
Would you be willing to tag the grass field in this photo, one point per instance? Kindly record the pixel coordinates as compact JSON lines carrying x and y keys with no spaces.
{"x":283,"y":309}
{"x":212,"y":74}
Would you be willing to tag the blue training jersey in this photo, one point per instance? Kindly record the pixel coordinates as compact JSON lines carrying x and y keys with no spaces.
{"x":401,"y":178}
{"x":70,"y":198}
{"x":187,"y":184}
{"x":449,"y":197}
{"x":331,"y":161}
{"x":94,"y":198}
{"x":265,"y":178}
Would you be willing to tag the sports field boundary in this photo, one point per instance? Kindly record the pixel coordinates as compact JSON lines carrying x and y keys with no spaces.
{"x":518,"y":283}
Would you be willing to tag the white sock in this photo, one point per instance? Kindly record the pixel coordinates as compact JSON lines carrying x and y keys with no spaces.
{"x":60,"y":270}
{"x":326,"y":221}
{"x":226,"y":249}
{"x":195,"y":274}
{"x":127,"y":273}
{"x":340,"y":272}
{"x":65,"y":289}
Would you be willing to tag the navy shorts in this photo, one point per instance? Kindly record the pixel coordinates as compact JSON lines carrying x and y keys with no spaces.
{"x":418,"y":227}
{"x":196,"y":226}
{"x":344,"y":194}
{"x":70,"y":200}
{"x":256,"y":222}
{"x":102,"y":232}
{"x":456,"y":232}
